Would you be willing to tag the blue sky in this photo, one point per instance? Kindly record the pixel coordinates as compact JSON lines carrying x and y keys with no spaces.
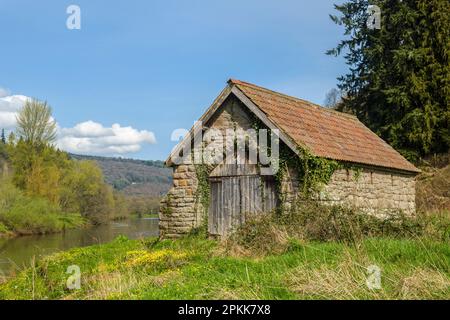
{"x":155,"y":66}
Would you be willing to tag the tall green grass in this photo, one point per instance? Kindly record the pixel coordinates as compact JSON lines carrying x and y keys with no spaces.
{"x":314,"y":253}
{"x":312,"y":221}
{"x":195,"y":268}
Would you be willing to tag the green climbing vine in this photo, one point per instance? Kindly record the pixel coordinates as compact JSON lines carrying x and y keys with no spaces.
{"x":202,"y":196}
{"x":356,"y":173}
{"x":166,"y":209}
{"x":312,"y":172}
{"x":202,"y":172}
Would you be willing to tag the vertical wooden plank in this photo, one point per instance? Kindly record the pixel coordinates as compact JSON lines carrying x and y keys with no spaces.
{"x":211,"y":229}
{"x":218,"y":207}
{"x":247,"y":193}
{"x":270,"y":194}
{"x":234,"y":197}
{"x":213,"y":208}
{"x":258,"y":193}
{"x":244,"y":196}
{"x":224,"y":206}
{"x":225,"y":210}
{"x":236,"y":203}
{"x":228,"y":197}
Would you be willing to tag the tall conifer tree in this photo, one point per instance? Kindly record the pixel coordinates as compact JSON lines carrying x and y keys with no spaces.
{"x":399,"y":79}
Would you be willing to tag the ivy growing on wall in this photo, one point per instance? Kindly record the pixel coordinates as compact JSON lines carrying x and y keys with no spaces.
{"x":312,"y":172}
{"x":166,"y":208}
{"x":202,"y":172}
{"x":356,"y":172}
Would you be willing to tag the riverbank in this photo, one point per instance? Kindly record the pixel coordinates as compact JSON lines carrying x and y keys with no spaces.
{"x":5,"y":232}
{"x":23,"y":214}
{"x":17,"y":253}
{"x":15,"y":226}
{"x":196,"y":268}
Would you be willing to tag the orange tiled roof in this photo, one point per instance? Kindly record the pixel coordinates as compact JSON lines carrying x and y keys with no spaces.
{"x":326,"y":133}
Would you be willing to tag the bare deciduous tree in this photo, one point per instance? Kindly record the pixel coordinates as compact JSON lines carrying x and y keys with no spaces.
{"x":333,"y":98}
{"x":35,"y":123}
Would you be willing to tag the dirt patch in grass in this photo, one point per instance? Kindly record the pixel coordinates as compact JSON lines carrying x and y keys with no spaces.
{"x":424,"y":283}
{"x":352,"y":279}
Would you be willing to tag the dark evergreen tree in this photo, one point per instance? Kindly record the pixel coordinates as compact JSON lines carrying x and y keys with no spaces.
{"x":3,"y":137}
{"x":399,"y":79}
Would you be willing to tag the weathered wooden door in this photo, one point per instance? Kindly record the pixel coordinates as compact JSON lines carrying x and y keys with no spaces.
{"x":233,"y":198}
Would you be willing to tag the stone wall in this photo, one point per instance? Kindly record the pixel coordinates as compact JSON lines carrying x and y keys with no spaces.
{"x":373,"y":190}
{"x":181,"y":209}
{"x":370,"y":189}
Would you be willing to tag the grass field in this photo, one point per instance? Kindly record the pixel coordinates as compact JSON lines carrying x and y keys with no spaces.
{"x":317,"y":253}
{"x":195,"y":268}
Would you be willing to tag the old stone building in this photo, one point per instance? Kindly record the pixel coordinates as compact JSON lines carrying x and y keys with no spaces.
{"x":369,"y":174}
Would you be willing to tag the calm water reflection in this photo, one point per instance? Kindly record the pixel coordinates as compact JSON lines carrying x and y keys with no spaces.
{"x":17,"y":252}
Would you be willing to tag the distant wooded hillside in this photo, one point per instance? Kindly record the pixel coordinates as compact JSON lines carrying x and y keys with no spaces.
{"x":134,"y":177}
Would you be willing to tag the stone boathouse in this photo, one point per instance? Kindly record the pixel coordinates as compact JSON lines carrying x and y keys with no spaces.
{"x":370,"y":174}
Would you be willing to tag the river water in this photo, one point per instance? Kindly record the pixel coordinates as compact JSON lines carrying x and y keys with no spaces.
{"x":17,"y":253}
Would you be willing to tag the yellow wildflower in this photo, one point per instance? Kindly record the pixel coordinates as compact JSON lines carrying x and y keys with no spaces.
{"x":140,"y":257}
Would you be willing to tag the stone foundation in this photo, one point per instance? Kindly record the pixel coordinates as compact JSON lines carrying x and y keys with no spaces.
{"x":180,"y":210}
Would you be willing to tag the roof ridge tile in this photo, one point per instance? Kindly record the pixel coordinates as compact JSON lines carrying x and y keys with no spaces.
{"x":286,"y":96}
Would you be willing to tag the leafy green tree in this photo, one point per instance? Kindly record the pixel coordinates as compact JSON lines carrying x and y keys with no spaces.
{"x":399,"y":79}
{"x":3,"y":147}
{"x":42,"y":171}
{"x":21,"y":155}
{"x":35,"y":124}
{"x":121,"y":205}
{"x":37,"y":170}
{"x":11,"y":139}
{"x":85,"y":191}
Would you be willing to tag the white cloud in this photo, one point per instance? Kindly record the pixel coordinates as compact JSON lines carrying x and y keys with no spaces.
{"x":93,"y":138}
{"x":9,"y":106}
{"x":84,"y":138}
{"x":88,"y":129}
{"x":4,"y":92}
